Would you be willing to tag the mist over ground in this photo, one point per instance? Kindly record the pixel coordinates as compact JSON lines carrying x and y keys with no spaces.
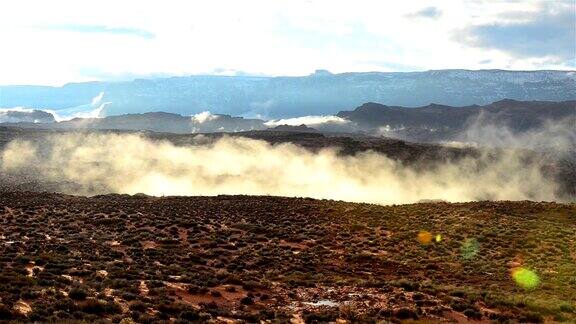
{"x":486,"y":130}
{"x":131,"y":163}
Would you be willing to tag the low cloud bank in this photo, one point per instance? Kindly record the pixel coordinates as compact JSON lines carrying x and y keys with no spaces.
{"x":134,"y":164}
{"x":202,"y":117}
{"x":326,"y":123}
{"x":308,"y":121}
{"x":95,"y":109}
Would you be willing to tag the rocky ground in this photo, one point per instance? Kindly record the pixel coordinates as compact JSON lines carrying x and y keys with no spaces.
{"x":252,"y":259}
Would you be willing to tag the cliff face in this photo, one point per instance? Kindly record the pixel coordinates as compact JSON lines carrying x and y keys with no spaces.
{"x":319,"y":93}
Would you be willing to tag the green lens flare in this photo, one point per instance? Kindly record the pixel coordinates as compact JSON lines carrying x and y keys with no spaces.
{"x":469,"y":249}
{"x":525,"y":278}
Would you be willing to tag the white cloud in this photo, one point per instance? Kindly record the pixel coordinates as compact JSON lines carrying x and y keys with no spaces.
{"x":308,"y":121}
{"x":203,"y":117}
{"x":284,"y":37}
{"x":95,"y":109}
{"x":325,"y":123}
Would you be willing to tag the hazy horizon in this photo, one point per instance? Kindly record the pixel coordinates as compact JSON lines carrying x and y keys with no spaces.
{"x":68,"y":42}
{"x":242,"y":74}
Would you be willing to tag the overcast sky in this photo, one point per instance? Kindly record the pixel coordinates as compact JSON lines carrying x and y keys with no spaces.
{"x":55,"y":42}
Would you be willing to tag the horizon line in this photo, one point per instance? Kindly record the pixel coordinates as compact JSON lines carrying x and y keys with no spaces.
{"x":324,"y":72}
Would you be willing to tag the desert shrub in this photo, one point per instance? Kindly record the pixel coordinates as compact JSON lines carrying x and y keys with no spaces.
{"x":197,"y":259}
{"x":195,"y":289}
{"x":93,"y":306}
{"x":473,"y":314}
{"x":129,"y":296}
{"x":560,"y":318}
{"x":66,"y":305}
{"x":566,"y":307}
{"x":324,"y":316}
{"x":246,"y":300}
{"x":38,"y":315}
{"x":5,"y":313}
{"x":136,"y":315}
{"x":355,"y":227}
{"x":138,"y":306}
{"x":460,"y":306}
{"x":169,"y":308}
{"x":22,"y":259}
{"x":155,"y":284}
{"x":267,"y":314}
{"x":418,"y":296}
{"x":408,"y":285}
{"x":531,"y":317}
{"x":458,"y":293}
{"x":215,"y":293}
{"x":405,"y":313}
{"x":29,"y":294}
{"x":189,"y":315}
{"x":77,"y":294}
{"x":119,"y":283}
{"x":250,"y":285}
{"x":112,"y":307}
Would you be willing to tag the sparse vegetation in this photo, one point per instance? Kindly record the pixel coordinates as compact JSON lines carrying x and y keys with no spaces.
{"x":137,"y":258}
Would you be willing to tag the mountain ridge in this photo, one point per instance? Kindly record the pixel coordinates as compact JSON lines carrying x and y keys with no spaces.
{"x":291,"y":96}
{"x":430,"y":123}
{"x":446,"y":123}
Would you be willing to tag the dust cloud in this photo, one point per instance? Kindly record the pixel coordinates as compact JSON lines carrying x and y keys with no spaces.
{"x":134,"y":164}
{"x":551,"y":135}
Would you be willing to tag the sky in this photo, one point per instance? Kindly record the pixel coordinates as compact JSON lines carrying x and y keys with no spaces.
{"x":60,"y":41}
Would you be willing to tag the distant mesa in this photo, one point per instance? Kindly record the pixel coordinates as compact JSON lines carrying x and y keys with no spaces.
{"x":319,"y":73}
{"x":320,"y":93}
{"x":151,"y":121}
{"x":26,"y":116}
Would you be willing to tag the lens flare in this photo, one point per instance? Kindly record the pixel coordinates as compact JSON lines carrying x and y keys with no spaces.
{"x":525,"y":278}
{"x":469,"y":248}
{"x":424,"y":237}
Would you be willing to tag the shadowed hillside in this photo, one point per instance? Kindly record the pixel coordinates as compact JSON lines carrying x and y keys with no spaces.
{"x":444,"y":123}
